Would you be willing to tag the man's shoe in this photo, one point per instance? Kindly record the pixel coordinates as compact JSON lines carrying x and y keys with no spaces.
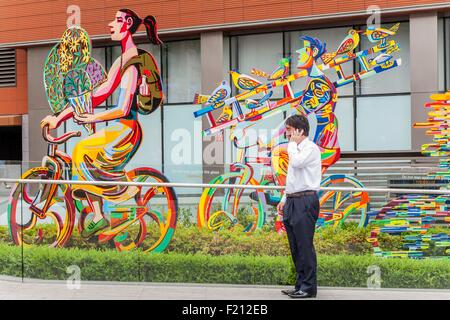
{"x":301,"y":295}
{"x":288,"y":291}
{"x":94,"y":227}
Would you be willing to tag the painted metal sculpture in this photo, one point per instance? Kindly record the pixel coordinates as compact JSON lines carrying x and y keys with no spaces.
{"x":76,"y":84}
{"x":412,"y":216}
{"x":240,"y":112}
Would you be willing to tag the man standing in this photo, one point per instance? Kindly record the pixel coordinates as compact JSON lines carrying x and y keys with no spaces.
{"x":300,"y":204}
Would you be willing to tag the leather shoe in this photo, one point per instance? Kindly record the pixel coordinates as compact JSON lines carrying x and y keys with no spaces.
{"x":288,"y":291}
{"x":301,"y":295}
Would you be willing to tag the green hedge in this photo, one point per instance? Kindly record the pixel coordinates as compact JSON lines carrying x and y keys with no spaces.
{"x":347,"y":239}
{"x":341,"y":270}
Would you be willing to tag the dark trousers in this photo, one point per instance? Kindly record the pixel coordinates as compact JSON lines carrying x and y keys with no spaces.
{"x":299,"y":218}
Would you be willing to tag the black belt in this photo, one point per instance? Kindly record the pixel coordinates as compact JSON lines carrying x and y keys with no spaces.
{"x":301,"y":194}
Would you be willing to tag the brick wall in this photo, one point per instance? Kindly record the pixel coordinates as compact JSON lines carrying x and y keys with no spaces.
{"x":13,"y":100}
{"x":35,"y":20}
{"x":31,"y":20}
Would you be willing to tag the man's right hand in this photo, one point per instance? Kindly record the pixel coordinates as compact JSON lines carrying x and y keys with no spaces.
{"x":280,"y":207}
{"x":51,"y":121}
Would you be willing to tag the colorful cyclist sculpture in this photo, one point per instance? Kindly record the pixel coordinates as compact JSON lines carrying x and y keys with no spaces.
{"x":319,"y":98}
{"x":76,"y":84}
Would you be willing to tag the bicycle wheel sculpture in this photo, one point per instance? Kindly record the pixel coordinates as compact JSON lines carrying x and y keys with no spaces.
{"x":51,"y":227}
{"x":413,"y":216}
{"x":156,"y":215}
{"x":216,"y":211}
{"x":337,"y":206}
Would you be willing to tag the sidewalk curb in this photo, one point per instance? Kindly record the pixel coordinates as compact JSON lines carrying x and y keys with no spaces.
{"x":212,"y":285}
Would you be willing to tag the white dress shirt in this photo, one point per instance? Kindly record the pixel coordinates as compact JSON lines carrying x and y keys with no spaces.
{"x":304,"y":169}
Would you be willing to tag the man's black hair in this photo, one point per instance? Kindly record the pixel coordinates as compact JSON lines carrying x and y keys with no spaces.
{"x":299,"y":122}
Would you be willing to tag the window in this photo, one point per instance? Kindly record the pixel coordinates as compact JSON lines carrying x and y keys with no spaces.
{"x":99,"y":54}
{"x":150,"y":151}
{"x":7,"y":68}
{"x":396,"y":80}
{"x":184,"y":70}
{"x":346,"y":126}
{"x":444,"y":53}
{"x":384,"y":123}
{"x":383,"y":117}
{"x":182,"y":134}
{"x":442,"y":32}
{"x":261,"y":51}
{"x":182,"y":146}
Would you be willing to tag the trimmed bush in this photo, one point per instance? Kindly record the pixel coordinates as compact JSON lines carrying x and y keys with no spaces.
{"x":340,"y":270}
{"x":347,"y":239}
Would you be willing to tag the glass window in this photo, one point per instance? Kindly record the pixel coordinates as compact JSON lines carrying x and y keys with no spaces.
{"x":226,"y":58}
{"x":184,"y":70}
{"x":446,"y":52}
{"x":182,"y":146}
{"x":332,"y":38}
{"x":72,"y":126}
{"x":396,"y":80}
{"x":229,"y":152}
{"x":149,"y":153}
{"x":384,"y":123}
{"x":441,"y":57}
{"x":261,"y":51}
{"x":100,"y":55}
{"x":116,"y":51}
{"x":346,"y":128}
{"x":59,"y":132}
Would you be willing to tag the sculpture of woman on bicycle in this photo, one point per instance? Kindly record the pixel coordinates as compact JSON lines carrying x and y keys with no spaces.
{"x":103,"y":155}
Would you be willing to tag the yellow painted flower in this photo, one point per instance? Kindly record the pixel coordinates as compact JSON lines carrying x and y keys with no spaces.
{"x":86,"y":55}
{"x":62,"y":53}
{"x":74,"y":43}
{"x":69,"y":59}
{"x":65,"y":39}
{"x":63,"y":61}
{"x":64,"y":67}
{"x":84,"y":38}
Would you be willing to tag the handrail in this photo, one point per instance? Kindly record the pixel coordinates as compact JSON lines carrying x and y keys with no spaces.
{"x":222,"y":186}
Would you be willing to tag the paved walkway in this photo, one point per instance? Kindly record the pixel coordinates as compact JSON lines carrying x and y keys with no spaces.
{"x":13,"y":288}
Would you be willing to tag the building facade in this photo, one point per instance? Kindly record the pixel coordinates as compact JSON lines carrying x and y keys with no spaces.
{"x":202,"y":41}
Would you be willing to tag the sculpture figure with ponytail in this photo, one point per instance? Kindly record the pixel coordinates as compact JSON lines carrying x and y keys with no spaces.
{"x":103,"y":155}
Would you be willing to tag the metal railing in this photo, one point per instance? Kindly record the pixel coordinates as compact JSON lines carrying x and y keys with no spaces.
{"x":222,"y":186}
